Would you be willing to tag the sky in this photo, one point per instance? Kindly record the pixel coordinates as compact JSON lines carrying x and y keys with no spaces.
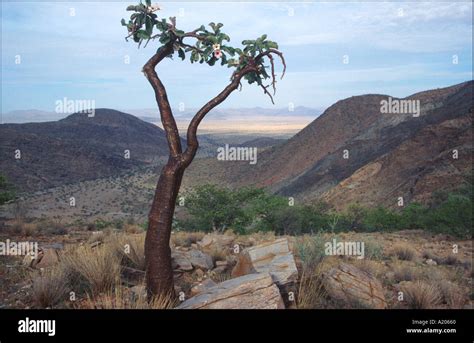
{"x":393,"y":48}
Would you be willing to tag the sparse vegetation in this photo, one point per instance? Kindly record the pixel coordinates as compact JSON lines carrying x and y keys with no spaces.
{"x":49,"y":287}
{"x":99,"y":266}
{"x":6,"y":190}
{"x":421,"y":295}
{"x":403,"y":252}
{"x":248,"y":210}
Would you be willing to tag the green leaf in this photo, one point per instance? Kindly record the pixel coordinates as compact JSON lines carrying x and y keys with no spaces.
{"x":149,"y":25}
{"x":148,"y":2}
{"x":143,"y":34}
{"x":165,"y":39}
{"x":124,"y":23}
{"x":131,"y":8}
{"x":181,"y":54}
{"x":179,"y":33}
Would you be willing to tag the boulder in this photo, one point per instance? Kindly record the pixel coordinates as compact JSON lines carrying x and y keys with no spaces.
{"x":351,"y":285}
{"x":253,"y":291}
{"x":180,"y":261}
{"x":274,"y":258}
{"x":213,"y":240}
{"x":202,"y":286}
{"x":47,"y":258}
{"x":201,"y":260}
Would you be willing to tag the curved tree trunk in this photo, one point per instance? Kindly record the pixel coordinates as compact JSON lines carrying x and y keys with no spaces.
{"x":159,"y":272}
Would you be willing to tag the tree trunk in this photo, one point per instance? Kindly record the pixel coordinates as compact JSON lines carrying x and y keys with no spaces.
{"x":159,"y":272}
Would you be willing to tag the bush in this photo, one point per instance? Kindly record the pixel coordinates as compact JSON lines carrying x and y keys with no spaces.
{"x":403,"y":252}
{"x":6,"y":191}
{"x":381,"y":219}
{"x":250,"y":210}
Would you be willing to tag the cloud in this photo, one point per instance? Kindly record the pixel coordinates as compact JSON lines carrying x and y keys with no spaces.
{"x":84,"y":55}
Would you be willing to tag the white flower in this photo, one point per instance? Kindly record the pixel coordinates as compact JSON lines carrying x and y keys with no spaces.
{"x":217,"y":54}
{"x":153,"y":8}
{"x":216,"y":47}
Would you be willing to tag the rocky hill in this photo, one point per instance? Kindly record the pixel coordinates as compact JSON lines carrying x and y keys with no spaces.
{"x":354,"y":152}
{"x":78,"y":148}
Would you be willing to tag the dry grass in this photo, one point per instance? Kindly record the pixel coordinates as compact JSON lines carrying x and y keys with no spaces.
{"x":220,"y":277}
{"x":132,"y":228}
{"x":20,"y":227}
{"x":311,"y":293}
{"x":99,"y":266}
{"x":185,"y":239}
{"x":421,"y":295}
{"x":100,"y":236}
{"x":450,"y":260}
{"x":403,"y":272}
{"x":452,"y":294}
{"x":49,"y":287}
{"x":403,"y":252}
{"x":131,"y":248}
{"x":121,"y":298}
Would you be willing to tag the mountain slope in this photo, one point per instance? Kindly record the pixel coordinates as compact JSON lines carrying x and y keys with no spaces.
{"x":389,"y":155}
{"x":77,"y":148}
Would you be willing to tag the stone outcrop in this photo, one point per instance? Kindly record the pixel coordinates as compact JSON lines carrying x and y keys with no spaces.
{"x":274,"y":258}
{"x":254,"y":291}
{"x":350,"y":285}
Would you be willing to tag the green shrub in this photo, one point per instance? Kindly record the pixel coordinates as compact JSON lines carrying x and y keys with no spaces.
{"x":6,"y":191}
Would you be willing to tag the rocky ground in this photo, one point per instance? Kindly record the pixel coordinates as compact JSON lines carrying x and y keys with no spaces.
{"x":80,"y":268}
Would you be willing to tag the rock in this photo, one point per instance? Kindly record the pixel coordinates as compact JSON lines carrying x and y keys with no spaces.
{"x":28,"y":260}
{"x":273,"y":257}
{"x":200,"y":260}
{"x":253,"y":291}
{"x":48,"y":258}
{"x":202,"y":286}
{"x":180,"y":261}
{"x":222,"y":263}
{"x":431,"y":262}
{"x":132,"y":276}
{"x":350,"y":285}
{"x":206,"y":241}
{"x":211,"y":240}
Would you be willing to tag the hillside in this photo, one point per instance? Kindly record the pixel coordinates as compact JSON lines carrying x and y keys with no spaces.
{"x":390,"y":155}
{"x":78,"y":148}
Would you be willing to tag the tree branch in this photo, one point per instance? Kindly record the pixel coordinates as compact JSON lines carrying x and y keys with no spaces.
{"x":167,"y":119}
{"x":276,"y":52}
{"x":193,"y":144}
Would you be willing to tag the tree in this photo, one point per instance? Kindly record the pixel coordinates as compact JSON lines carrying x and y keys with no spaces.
{"x":208,"y":46}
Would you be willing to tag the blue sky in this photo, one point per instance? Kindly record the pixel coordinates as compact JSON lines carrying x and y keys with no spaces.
{"x":394,"y":48}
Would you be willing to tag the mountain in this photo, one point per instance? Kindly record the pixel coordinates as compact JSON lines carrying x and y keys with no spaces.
{"x":78,"y":148}
{"x":389,"y":154}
